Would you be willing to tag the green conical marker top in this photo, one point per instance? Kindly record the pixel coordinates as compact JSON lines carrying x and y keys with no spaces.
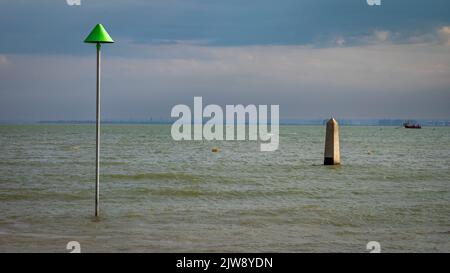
{"x":99,"y":35}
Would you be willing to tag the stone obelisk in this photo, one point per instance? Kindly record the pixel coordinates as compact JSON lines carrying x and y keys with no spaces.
{"x":332,"y":153}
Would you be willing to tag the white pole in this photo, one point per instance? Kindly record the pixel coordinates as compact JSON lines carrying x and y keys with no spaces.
{"x":97,"y":142}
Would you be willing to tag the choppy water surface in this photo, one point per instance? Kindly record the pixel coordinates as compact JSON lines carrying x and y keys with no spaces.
{"x":158,"y":195}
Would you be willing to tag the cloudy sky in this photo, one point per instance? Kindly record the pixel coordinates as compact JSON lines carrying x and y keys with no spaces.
{"x":315,"y":58}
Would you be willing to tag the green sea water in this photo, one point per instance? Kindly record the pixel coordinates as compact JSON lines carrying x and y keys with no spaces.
{"x":159,"y":195}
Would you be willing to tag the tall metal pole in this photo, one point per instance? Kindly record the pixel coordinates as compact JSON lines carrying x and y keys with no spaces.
{"x":97,"y":142}
{"x":98,"y":36}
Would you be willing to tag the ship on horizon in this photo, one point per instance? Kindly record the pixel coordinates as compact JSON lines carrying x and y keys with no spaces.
{"x":412,"y":125}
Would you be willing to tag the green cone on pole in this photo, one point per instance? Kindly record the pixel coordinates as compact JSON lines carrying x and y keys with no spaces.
{"x":99,"y":35}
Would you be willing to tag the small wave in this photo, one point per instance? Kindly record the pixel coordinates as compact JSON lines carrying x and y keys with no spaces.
{"x":2,"y":232}
{"x":154,"y":176}
{"x":34,"y":195}
{"x":218,"y":194}
{"x":178,"y":192}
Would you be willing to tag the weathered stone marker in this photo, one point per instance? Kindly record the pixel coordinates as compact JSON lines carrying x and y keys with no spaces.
{"x":332,"y":154}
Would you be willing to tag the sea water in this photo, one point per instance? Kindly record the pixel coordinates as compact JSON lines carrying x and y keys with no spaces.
{"x":161,"y":195}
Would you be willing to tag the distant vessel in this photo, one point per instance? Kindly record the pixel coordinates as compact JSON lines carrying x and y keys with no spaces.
{"x":411,"y":125}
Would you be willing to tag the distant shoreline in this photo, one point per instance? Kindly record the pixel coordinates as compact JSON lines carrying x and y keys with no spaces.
{"x":312,"y":122}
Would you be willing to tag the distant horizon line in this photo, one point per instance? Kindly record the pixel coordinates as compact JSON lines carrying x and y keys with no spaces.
{"x":317,"y":121}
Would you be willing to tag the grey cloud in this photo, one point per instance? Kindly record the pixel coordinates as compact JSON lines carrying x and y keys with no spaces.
{"x":377,"y":81}
{"x":53,"y":27}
